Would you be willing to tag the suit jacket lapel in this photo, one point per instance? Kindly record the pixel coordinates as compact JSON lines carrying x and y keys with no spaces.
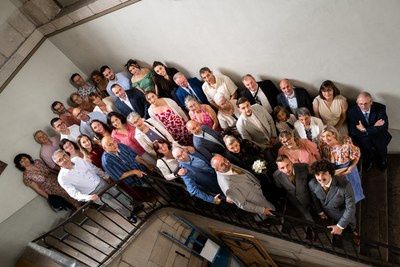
{"x":332,"y":191}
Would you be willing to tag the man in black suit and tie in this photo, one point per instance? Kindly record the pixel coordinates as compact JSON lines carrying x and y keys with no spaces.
{"x":368,"y":127}
{"x":293,"y":178}
{"x":130,"y":101}
{"x":207,"y":141}
{"x":263,"y":92}
{"x":333,"y":198}
{"x":292,"y":97}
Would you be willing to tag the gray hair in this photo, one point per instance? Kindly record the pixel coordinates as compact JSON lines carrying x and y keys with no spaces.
{"x":133,"y":115}
{"x":175,"y":150}
{"x":302,"y":112}
{"x":229,"y":140}
{"x":177,"y":75}
{"x":190,"y":98}
{"x":364,"y":94}
{"x":58,"y":151}
{"x":218,"y":97}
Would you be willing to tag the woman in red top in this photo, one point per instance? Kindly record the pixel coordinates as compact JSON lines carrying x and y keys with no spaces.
{"x":92,"y":152}
{"x":125,"y":133}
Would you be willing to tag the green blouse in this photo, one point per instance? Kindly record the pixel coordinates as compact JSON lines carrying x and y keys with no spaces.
{"x":145,"y":84}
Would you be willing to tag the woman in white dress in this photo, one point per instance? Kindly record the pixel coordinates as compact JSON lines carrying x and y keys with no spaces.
{"x":331,"y":107}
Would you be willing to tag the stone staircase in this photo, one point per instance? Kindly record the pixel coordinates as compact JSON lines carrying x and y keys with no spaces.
{"x":380,"y":213}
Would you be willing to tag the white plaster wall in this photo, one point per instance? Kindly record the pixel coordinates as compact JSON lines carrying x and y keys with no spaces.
{"x":24,"y":108}
{"x":352,"y":42}
{"x":6,"y":9}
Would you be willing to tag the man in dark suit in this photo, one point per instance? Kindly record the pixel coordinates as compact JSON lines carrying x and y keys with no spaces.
{"x":191,"y":86}
{"x":293,"y":178}
{"x":196,"y":172}
{"x":368,"y":127}
{"x":130,"y":101}
{"x":207,"y":141}
{"x":333,"y":198}
{"x":293,"y":98}
{"x":263,"y":92}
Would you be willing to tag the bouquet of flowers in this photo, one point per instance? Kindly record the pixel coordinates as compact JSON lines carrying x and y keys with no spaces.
{"x":259,"y":166}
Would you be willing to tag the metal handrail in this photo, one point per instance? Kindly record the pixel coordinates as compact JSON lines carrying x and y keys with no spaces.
{"x":172,"y":194}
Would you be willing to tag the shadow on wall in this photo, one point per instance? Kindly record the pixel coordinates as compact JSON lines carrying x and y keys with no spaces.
{"x":389,"y":100}
{"x":180,"y":68}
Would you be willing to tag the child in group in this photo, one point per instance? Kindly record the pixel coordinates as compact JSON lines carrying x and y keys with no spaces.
{"x":284,"y":121}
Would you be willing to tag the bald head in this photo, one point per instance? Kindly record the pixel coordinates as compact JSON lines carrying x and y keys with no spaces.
{"x":286,"y":87}
{"x":193,"y":127}
{"x":109,"y":144}
{"x":220,"y":164}
{"x":180,"y":154}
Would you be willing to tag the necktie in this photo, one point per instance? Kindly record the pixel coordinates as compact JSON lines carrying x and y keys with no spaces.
{"x":366,"y":116}
{"x":193,"y":93}
{"x":256,"y":97}
{"x":308,"y":134}
{"x":326,"y":189}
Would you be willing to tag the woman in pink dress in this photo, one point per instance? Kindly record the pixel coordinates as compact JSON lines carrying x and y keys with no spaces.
{"x":169,"y":114}
{"x":125,"y":134}
{"x":298,"y":150}
{"x":202,"y":113}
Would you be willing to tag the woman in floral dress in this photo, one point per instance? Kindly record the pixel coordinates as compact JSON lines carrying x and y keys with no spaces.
{"x":344,"y":155}
{"x":169,"y":114}
{"x":41,"y":179}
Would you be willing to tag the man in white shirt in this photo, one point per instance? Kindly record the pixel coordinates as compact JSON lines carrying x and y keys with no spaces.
{"x":255,"y":124}
{"x":85,"y":118}
{"x":215,"y":83}
{"x":114,"y":78}
{"x":83,"y":181}
{"x":71,"y":133}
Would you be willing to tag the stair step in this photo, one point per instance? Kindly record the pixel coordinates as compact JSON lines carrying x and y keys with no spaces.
{"x":394,"y":204}
{"x":70,"y":251}
{"x":374,"y":211}
{"x":91,"y":239}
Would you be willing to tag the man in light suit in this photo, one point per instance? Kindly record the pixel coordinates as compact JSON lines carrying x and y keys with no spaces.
{"x":255,"y":124}
{"x":241,"y":187}
{"x":191,"y":86}
{"x":293,"y":178}
{"x":207,"y":141}
{"x":262,"y":92}
{"x":130,"y":101}
{"x":368,"y":127}
{"x":333,"y":197}
{"x":292,"y":97}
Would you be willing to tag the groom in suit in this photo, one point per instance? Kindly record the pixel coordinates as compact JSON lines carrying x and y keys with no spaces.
{"x":293,"y":178}
{"x":191,"y":86}
{"x":241,"y":187}
{"x":255,"y":124}
{"x":333,"y":198}
{"x":368,"y":127}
